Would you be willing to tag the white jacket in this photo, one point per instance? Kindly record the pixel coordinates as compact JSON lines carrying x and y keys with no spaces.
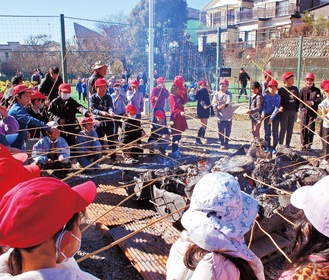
{"x":64,"y":271}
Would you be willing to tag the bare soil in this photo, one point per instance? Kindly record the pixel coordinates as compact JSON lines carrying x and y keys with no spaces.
{"x":112,"y":263}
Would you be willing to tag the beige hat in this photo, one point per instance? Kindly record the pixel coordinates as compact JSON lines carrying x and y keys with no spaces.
{"x":99,"y":64}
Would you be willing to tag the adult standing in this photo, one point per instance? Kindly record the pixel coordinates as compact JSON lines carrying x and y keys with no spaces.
{"x":311,"y":95}
{"x":100,"y":69}
{"x":177,"y":99}
{"x":50,"y":84}
{"x":289,"y":104}
{"x":101,"y":106}
{"x":203,"y":109}
{"x":158,"y":97}
{"x":243,"y":80}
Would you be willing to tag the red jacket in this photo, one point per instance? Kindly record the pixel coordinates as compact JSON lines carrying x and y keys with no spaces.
{"x":176,"y":103}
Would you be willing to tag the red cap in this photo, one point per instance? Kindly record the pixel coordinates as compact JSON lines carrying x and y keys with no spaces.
{"x":21,"y":88}
{"x":5,"y":153}
{"x":49,"y":202}
{"x":203,"y":83}
{"x":287,"y":75}
{"x":13,"y":172}
{"x":326,"y":87}
{"x":86,"y":120}
{"x":37,"y":95}
{"x":310,"y":76}
{"x":273,"y":83}
{"x":134,"y":83}
{"x":267,"y":73}
{"x":224,"y":81}
{"x":100,"y":83}
{"x":322,"y":85}
{"x":179,"y":81}
{"x":64,"y":88}
{"x":131,"y":109}
{"x":160,"y":80}
{"x":159,"y":114}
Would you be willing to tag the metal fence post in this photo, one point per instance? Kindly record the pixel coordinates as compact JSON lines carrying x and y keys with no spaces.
{"x":300,"y":55}
{"x":63,"y":49}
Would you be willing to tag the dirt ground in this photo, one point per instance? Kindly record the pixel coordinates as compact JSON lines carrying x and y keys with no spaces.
{"x":112,"y":264}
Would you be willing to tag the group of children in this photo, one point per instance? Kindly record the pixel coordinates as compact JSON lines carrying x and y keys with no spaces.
{"x":279,"y":108}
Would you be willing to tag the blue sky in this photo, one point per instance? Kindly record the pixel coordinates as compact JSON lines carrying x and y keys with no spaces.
{"x":82,"y":8}
{"x":18,"y":29}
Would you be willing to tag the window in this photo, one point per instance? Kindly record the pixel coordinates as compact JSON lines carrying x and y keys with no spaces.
{"x":282,"y":8}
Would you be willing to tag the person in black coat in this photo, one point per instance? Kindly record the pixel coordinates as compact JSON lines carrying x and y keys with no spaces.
{"x":63,"y":110}
{"x":50,"y":84}
{"x":203,"y":109}
{"x":131,"y":131}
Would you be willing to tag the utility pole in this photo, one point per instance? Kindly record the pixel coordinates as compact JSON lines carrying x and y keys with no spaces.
{"x":218,"y":52}
{"x":151,"y":50}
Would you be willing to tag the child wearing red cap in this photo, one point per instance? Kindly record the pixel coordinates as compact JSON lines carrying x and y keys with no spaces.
{"x":131,"y":136}
{"x":101,"y":105}
{"x":311,"y":95}
{"x":63,"y":110}
{"x":290,"y":105}
{"x":43,"y":249}
{"x":19,"y":112}
{"x":268,"y":77}
{"x":88,"y":146}
{"x":270,"y":110}
{"x":160,"y":136}
{"x":177,"y":99}
{"x":221,"y":101}
{"x":158,"y":97}
{"x":52,"y":152}
{"x":135,"y":97}
{"x":36,"y":110}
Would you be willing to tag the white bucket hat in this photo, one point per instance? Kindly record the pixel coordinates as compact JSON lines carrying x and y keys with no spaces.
{"x":219,"y":215}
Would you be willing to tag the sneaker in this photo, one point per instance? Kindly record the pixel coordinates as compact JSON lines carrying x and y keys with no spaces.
{"x":223,"y":147}
{"x":130,"y":160}
{"x":274,"y":151}
{"x":176,"y":155}
{"x":267,"y":150}
{"x":198,"y":142}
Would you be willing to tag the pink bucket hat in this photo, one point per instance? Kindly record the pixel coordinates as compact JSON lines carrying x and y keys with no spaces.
{"x":220,"y":214}
{"x":313,"y":200}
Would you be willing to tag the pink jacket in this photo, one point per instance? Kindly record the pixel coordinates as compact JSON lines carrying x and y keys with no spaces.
{"x":212,"y":266}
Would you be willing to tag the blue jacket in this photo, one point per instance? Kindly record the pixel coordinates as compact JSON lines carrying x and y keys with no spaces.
{"x":136,"y":99}
{"x":42,"y":148}
{"x":85,"y":143}
{"x":119,"y":105}
{"x":24,"y":119}
{"x":271,"y":105}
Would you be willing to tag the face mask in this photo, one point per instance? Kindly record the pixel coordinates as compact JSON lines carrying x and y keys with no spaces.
{"x":42,"y":105}
{"x":65,"y":96}
{"x":58,"y":249}
{"x":133,"y":116}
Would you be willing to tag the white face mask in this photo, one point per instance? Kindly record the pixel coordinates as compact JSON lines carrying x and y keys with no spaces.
{"x":133,"y":116}
{"x":65,"y":96}
{"x":58,"y":250}
{"x":42,"y":105}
